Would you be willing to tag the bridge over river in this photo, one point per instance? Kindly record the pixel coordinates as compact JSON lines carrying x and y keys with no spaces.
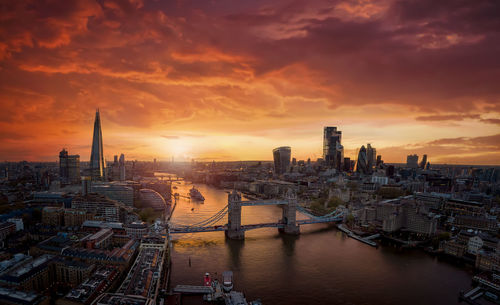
{"x":235,"y":230}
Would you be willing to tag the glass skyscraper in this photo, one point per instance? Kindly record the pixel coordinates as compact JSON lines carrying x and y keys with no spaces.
{"x":69,"y":168}
{"x":97,"y":163}
{"x":333,"y":151}
{"x":281,"y":156}
{"x":371,"y":157}
{"x":362,"y":163}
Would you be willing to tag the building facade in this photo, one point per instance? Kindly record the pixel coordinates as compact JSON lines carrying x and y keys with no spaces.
{"x":282,"y":156}
{"x":97,"y":162}
{"x":333,"y":151}
{"x":69,"y":168}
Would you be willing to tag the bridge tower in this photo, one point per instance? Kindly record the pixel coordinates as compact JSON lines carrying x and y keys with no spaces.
{"x":289,"y":214}
{"x":234,"y":230}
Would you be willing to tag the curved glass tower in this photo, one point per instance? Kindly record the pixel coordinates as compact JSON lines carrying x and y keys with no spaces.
{"x":362,"y":164}
{"x":281,"y":157}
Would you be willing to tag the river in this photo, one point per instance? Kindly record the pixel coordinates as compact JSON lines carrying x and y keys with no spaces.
{"x":320,"y":266}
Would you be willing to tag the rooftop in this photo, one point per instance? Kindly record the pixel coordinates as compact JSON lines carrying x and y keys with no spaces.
{"x":19,"y":297}
{"x":101,"y":277}
{"x":25,"y":270}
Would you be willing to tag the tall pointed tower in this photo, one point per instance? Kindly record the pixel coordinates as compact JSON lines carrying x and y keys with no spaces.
{"x":97,"y":163}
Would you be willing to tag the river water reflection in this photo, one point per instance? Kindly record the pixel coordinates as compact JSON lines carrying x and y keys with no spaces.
{"x":321,"y":266}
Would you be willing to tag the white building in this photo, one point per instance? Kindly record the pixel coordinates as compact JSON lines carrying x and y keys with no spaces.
{"x":474,"y":245}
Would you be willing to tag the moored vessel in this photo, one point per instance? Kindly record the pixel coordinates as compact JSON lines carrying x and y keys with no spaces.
{"x":227,"y":281}
{"x":195,"y":194}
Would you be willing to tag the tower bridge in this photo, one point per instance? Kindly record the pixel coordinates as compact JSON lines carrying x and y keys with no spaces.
{"x":288,"y":223}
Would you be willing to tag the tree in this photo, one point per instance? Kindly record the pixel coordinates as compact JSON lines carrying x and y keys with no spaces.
{"x":350,"y":219}
{"x":334,"y":202}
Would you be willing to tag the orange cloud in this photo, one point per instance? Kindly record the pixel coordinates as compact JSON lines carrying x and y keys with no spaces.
{"x":248,"y":77}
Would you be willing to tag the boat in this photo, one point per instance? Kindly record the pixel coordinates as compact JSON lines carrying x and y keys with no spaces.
{"x":227,"y":281}
{"x":195,"y":194}
{"x":207,"y":281}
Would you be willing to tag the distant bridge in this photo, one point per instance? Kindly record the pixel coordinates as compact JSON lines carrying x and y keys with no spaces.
{"x":235,"y":230}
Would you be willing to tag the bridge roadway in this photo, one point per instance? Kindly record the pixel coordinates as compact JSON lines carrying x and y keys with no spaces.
{"x":262,"y":202}
{"x":180,"y":230}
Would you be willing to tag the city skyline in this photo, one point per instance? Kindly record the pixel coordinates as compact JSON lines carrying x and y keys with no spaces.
{"x":352,"y":153}
{"x":208,"y":80}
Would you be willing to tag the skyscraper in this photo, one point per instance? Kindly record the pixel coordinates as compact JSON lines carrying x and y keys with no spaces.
{"x":362,"y":163}
{"x":97,"y":163}
{"x":122,"y":167}
{"x":281,"y":157}
{"x":333,"y":151}
{"x":69,"y":168}
{"x":423,"y":162}
{"x":412,"y":161}
{"x":115,"y":171}
{"x":371,"y":156}
{"x":347,"y":165}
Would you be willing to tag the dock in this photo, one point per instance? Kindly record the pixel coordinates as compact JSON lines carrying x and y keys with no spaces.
{"x":215,"y":293}
{"x":471,"y":296}
{"x":367,"y":240}
{"x":190,"y":289}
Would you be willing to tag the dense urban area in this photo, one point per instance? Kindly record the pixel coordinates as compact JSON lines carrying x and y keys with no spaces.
{"x":98,"y":232}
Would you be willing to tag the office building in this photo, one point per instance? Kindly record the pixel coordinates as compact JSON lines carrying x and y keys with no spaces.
{"x":347,"y":165}
{"x":71,"y":272}
{"x":115,"y":171}
{"x":103,"y":208}
{"x":118,"y":168}
{"x":151,"y":198}
{"x":15,"y":297}
{"x":423,"y":162}
{"x":53,"y":216}
{"x":371,"y":157}
{"x":137,"y":229}
{"x":98,"y":240}
{"x":115,"y":191}
{"x":412,"y":161}
{"x":362,"y":163}
{"x":75,"y":218}
{"x":69,"y":168}
{"x":32,"y":275}
{"x":122,"y":167}
{"x":281,"y":157}
{"x":92,"y":287}
{"x":97,"y":163}
{"x":86,"y":185}
{"x":333,"y":151}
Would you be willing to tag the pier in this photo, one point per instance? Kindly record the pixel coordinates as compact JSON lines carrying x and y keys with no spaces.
{"x":367,"y":240}
{"x":190,"y":289}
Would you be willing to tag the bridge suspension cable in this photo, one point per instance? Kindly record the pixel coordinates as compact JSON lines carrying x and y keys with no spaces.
{"x":211,"y":220}
{"x":334,"y":213}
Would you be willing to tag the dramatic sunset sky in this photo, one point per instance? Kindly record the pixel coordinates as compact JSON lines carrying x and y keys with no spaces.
{"x":230,"y":80}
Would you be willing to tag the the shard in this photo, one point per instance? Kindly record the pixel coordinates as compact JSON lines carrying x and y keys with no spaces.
{"x":97,"y":163}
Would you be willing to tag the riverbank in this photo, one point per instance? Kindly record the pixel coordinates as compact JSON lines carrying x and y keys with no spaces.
{"x":309,"y":268}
